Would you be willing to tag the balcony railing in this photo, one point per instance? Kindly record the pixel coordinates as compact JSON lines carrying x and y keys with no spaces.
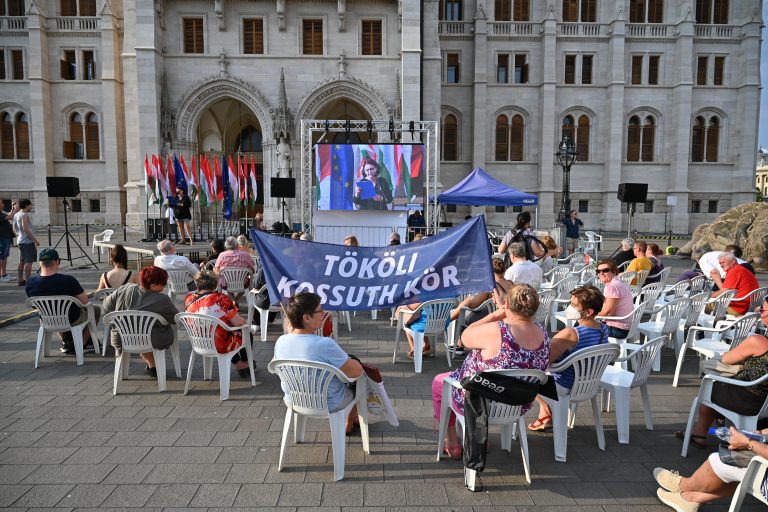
{"x":455,"y":28}
{"x":510,"y":28}
{"x":13,"y":23}
{"x":649,"y":30}
{"x":579,"y":29}
{"x":74,"y":23}
{"x":715,"y":31}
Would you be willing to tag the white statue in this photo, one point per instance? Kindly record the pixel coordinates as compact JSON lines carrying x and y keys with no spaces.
{"x":283,"y":158}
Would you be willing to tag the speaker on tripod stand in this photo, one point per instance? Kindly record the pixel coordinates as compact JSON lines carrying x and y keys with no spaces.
{"x":65,"y":187}
{"x":283,"y":188}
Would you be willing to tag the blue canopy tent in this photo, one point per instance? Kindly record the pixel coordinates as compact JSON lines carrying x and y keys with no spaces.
{"x":478,"y":188}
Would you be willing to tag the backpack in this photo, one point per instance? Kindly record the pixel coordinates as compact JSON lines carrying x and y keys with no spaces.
{"x":527,"y":240}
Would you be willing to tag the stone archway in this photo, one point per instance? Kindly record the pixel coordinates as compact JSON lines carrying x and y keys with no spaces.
{"x":210,"y":90}
{"x":339,"y":89}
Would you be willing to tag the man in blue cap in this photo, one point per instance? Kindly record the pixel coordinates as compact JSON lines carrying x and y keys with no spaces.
{"x":50,"y":282}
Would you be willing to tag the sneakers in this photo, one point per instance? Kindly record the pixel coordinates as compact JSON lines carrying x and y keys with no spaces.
{"x":7,"y":278}
{"x":88,"y":346}
{"x":676,"y":501}
{"x":669,"y":480}
{"x":22,"y":283}
{"x":152,"y":372}
{"x":68,"y":349}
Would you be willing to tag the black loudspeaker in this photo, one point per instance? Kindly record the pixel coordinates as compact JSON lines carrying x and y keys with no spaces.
{"x":632,"y":192}
{"x":62,"y":187}
{"x":245,"y":226}
{"x":283,"y":187}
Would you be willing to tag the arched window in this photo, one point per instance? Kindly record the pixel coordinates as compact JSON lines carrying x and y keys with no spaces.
{"x":450,"y":138}
{"x":713,"y":139}
{"x":510,"y":135}
{"x":641,"y":139}
{"x":648,"y":138}
{"x":91,"y":137}
{"x":502,"y":138}
{"x":579,"y":134}
{"x":249,"y":140}
{"x":6,"y":136}
{"x":697,"y":140}
{"x":73,"y":147}
{"x":516,"y":139}
{"x":22,"y":136}
{"x":582,"y":139}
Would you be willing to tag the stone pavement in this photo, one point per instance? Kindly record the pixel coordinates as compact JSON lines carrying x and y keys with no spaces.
{"x":67,"y":443}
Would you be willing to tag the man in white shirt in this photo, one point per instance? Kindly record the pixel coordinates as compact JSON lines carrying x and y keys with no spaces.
{"x":169,"y":260}
{"x":522,"y":270}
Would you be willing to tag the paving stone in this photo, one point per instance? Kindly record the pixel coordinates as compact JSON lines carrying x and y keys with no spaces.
{"x":15,"y":474}
{"x":81,"y":473}
{"x":195,"y":439}
{"x":172,"y":495}
{"x":11,"y":493}
{"x":86,"y":495}
{"x":218,"y":495}
{"x":188,"y":473}
{"x":306,"y":495}
{"x":343,"y":494}
{"x":182,"y":455}
{"x":129,"y":473}
{"x":35,"y":455}
{"x":127,"y":454}
{"x":89,"y":455}
{"x":383,"y":495}
{"x":44,"y":495}
{"x":425,"y":494}
{"x":258,"y":495}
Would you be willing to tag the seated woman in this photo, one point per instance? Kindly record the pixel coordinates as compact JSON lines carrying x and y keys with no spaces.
{"x":146,"y":296}
{"x":713,"y":480}
{"x":414,"y":323}
{"x":499,"y":291}
{"x":505,"y":339}
{"x":752,"y":353}
{"x":305,"y":316}
{"x":351,"y":241}
{"x":119,"y":275}
{"x":653,"y":253}
{"x":217,"y":247}
{"x":618,"y":299}
{"x":586,"y":302}
{"x":244,"y":245}
{"x":207,"y":301}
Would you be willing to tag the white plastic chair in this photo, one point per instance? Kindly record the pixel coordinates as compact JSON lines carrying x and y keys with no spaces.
{"x":594,"y":237}
{"x":98,"y":297}
{"x":135,"y":330}
{"x":700,"y":283}
{"x":334,"y":322}
{"x":713,"y":344}
{"x":721,"y":303}
{"x":665,"y":322}
{"x":620,"y":382}
{"x":627,"y":277}
{"x":588,"y":364}
{"x":705,"y":398}
{"x":508,"y":416}
{"x":642,"y":275}
{"x":633,"y":316}
{"x":698,"y":302}
{"x":452,"y":332}
{"x":623,"y":266}
{"x":563,"y":287}
{"x":103,"y":237}
{"x":546,"y":298}
{"x":649,"y":294}
{"x":307,"y":396}
{"x":263,"y":313}
{"x":660,"y":277}
{"x":235,"y":278}
{"x":756,"y":298}
{"x":752,"y":483}
{"x":54,"y":317}
{"x":177,"y":283}
{"x":555,"y":275}
{"x":438,"y":312}
{"x":201,"y":329}
{"x":587,"y":276}
{"x":675,"y":291}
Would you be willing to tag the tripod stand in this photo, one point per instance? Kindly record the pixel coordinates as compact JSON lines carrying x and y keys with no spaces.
{"x":67,"y":237}
{"x":282,"y":222}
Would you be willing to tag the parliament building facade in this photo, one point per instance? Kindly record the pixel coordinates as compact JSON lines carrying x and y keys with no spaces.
{"x":652,"y":91}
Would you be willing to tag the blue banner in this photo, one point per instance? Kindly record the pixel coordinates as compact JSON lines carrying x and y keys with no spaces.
{"x":342,"y":177}
{"x":181,"y":179}
{"x":455,"y":262}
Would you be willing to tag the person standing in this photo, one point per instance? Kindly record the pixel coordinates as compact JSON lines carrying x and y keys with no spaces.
{"x":6,"y":237}
{"x":572,"y":225}
{"x":27,"y":241}
{"x":371,"y":193}
{"x":183,"y":214}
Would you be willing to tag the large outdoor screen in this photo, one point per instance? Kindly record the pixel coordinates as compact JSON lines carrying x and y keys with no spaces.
{"x":369,"y":176}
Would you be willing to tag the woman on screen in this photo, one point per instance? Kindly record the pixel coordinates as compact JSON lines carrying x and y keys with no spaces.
{"x":370,"y":192}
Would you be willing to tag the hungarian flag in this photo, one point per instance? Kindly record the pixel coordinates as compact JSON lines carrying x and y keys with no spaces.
{"x":162,"y":177}
{"x":234,"y":180}
{"x":171,"y":173}
{"x":218,"y":182}
{"x":207,"y":194}
{"x":254,"y":179}
{"x":149,"y":182}
{"x":242,"y":178}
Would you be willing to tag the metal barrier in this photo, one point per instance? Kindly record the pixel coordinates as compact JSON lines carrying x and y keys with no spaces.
{"x":370,"y":236}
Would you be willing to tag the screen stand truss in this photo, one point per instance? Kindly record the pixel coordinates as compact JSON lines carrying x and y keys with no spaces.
{"x":387,"y":131}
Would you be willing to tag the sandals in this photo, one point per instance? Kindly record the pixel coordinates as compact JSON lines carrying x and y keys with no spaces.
{"x":541,"y":424}
{"x":427,"y":349}
{"x":697,"y":441}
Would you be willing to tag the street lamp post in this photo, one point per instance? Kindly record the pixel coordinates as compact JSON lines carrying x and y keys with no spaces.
{"x":566,"y":157}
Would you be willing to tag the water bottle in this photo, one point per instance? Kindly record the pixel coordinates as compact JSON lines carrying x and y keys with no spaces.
{"x":724,"y":434}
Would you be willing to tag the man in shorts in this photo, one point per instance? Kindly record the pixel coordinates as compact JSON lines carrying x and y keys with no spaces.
{"x":28,"y":242}
{"x":51,"y":282}
{"x":6,"y":237}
